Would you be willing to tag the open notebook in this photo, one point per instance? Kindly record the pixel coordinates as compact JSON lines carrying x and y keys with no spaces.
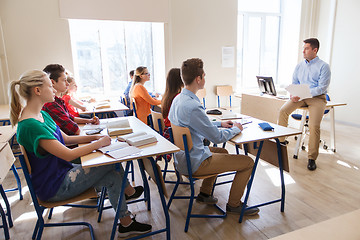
{"x":119,"y":150}
{"x":138,"y":138}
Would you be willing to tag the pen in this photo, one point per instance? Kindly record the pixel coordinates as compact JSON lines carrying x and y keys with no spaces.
{"x":93,"y":112}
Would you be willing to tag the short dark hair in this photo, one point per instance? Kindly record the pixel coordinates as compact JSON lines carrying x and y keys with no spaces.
{"x":131,"y":73}
{"x":314,"y":43}
{"x":190,"y":69}
{"x":54,"y":71}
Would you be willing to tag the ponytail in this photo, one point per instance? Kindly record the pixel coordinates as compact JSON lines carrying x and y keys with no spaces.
{"x":138,"y":72}
{"x":15,"y":105}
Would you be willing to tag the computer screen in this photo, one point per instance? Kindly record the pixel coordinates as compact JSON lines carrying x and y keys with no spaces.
{"x":266,"y":85}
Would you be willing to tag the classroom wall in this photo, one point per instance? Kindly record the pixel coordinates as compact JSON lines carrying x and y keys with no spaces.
{"x":34,"y":36}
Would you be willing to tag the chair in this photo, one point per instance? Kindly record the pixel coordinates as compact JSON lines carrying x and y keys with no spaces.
{"x":182,"y":139}
{"x":305,"y":126}
{"x":201,"y":95}
{"x":134,"y":107}
{"x":40,"y":206}
{"x":158,"y":125}
{"x":224,"y":91}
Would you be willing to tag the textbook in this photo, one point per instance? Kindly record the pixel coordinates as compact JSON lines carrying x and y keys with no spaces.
{"x":119,"y":127}
{"x":119,"y":150}
{"x":138,"y":138}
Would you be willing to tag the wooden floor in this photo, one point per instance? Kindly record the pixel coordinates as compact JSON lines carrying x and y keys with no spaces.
{"x":311,"y":197}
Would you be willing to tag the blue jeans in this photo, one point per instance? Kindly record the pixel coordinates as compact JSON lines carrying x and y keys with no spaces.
{"x":78,"y":180}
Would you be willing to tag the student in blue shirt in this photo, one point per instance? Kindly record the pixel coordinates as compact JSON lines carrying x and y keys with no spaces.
{"x":316,"y":73}
{"x":187,"y":111}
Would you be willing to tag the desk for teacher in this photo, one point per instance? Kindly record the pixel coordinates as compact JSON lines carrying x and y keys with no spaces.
{"x":267,"y":108}
{"x":253,"y":134}
{"x":161,"y":147}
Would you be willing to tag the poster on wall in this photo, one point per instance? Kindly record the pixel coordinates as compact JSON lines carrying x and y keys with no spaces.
{"x":228,"y":57}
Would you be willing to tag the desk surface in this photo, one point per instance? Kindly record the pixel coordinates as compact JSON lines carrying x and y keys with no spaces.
{"x":162,"y":146}
{"x":115,"y":105}
{"x":7,"y":132}
{"x":253,"y":133}
{"x":342,"y":227}
{"x":6,"y":160}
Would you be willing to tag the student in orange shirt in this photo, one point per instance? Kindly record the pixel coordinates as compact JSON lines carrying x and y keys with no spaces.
{"x":142,"y":98}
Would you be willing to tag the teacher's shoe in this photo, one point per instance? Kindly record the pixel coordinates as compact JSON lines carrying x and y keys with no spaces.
{"x":311,"y":165}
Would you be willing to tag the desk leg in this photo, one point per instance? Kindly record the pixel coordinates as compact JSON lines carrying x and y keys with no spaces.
{"x":300,"y":136}
{"x":146,"y":183}
{"x":250,"y":182}
{"x":332,"y":120}
{"x":121,"y":198}
{"x":7,"y":204}
{"x":281,"y":168}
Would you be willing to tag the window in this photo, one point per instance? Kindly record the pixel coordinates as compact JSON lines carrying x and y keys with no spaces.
{"x":268,"y":38}
{"x":104,"y":52}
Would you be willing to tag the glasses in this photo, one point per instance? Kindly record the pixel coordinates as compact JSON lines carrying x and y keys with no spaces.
{"x":146,"y":74}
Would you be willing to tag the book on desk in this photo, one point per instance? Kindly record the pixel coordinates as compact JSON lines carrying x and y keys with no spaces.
{"x":138,"y":138}
{"x":118,"y":127}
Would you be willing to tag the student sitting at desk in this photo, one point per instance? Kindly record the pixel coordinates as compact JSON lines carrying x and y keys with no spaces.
{"x":316,"y":73}
{"x":57,"y":109}
{"x":141,"y":95}
{"x":187,"y":111}
{"x":53,"y":176}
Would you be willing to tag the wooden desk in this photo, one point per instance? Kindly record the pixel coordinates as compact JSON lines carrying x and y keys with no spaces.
{"x":7,"y":159}
{"x":267,"y":108}
{"x":115,"y":105}
{"x":252,"y":133}
{"x":161,"y":147}
{"x":342,"y":227}
{"x":6,"y":133}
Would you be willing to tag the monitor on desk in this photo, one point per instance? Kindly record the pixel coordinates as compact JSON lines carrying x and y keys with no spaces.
{"x":266,"y":85}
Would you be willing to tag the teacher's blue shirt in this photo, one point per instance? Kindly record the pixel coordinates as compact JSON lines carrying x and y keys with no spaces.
{"x":187,"y":111}
{"x":315,"y":73}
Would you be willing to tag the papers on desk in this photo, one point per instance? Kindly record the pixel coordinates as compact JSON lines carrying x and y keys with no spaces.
{"x":119,"y":150}
{"x":230,"y":115}
{"x":300,"y":90}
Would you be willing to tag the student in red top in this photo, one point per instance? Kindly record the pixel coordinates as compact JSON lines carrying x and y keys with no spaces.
{"x":57,"y":109}
{"x":71,"y":102}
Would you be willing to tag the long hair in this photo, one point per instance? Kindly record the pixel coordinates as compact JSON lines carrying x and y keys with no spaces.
{"x":26,"y":83}
{"x":138,"y":72}
{"x":173,"y":88}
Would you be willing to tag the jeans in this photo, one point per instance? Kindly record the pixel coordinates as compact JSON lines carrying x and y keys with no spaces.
{"x":78,"y":180}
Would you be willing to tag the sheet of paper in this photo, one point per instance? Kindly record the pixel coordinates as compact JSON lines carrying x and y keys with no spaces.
{"x":300,"y":90}
{"x":123,"y":152}
{"x":113,"y":146}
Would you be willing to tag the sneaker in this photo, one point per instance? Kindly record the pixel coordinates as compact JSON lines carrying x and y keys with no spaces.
{"x":138,"y":191}
{"x":201,"y":198}
{"x":237,"y":210}
{"x":134,"y":228}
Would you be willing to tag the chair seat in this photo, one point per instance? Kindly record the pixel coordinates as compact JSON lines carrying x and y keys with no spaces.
{"x":90,"y":193}
{"x":298,"y":117}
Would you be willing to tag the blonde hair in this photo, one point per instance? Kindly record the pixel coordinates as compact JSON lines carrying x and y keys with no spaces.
{"x":138,"y":72}
{"x":27,"y":82}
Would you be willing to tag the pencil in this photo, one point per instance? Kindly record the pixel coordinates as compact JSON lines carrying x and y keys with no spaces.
{"x":93,"y":112}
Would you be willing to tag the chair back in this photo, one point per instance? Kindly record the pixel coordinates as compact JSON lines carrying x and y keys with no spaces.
{"x":181,"y":135}
{"x":224,"y":91}
{"x":158,"y":121}
{"x":134,"y":106}
{"x":26,"y":159}
{"x":201,"y":95}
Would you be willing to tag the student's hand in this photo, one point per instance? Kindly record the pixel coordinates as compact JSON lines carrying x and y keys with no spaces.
{"x":227,"y":124}
{"x":104,"y":141}
{"x":95,"y":120}
{"x":237,"y":124}
{"x":294,"y":98}
{"x":156,"y":95}
{"x":83,"y":109}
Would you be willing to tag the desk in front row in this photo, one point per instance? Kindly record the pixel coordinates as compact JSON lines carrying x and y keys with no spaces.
{"x":342,"y":227}
{"x":161,"y":147}
{"x":267,"y":108}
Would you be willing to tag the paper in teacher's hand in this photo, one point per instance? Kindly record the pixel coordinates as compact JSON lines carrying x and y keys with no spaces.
{"x":300,"y":90}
